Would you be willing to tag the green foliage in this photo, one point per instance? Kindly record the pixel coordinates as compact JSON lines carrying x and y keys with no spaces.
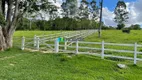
{"x":120,"y":26}
{"x":57,"y":24}
{"x":60,"y":24}
{"x":94,"y":10}
{"x":2,"y":20}
{"x":108,"y":27}
{"x":26,"y":24}
{"x":84,"y":10}
{"x":72,"y":24}
{"x":72,"y":6}
{"x":135,"y":27}
{"x":41,"y":24}
{"x":121,"y":14}
{"x":23,"y":24}
{"x":31,"y":6}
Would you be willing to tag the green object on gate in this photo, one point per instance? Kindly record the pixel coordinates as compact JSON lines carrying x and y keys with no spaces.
{"x":59,"y":39}
{"x":62,"y":39}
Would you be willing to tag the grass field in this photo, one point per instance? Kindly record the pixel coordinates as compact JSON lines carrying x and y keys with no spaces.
{"x":116,"y":36}
{"x":23,"y":65}
{"x":32,"y":33}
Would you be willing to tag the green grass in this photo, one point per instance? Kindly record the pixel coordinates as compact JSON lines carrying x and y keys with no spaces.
{"x":32,"y":33}
{"x":22,"y":65}
{"x":116,"y":36}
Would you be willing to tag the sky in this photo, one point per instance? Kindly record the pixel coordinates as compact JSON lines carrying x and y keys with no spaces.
{"x":110,"y":4}
{"x":134,"y":8}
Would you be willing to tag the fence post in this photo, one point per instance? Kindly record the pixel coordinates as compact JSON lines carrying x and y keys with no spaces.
{"x":50,"y":37}
{"x":77,"y":47}
{"x":102,"y":54}
{"x":135,"y":54}
{"x":23,"y":43}
{"x":37,"y":43}
{"x":56,"y":45}
{"x":65,"y":46}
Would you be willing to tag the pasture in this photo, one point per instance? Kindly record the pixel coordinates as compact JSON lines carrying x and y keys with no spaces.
{"x":116,"y":36}
{"x":23,"y":65}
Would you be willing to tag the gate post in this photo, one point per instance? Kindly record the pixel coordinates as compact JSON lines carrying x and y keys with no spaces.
{"x":65,"y":46}
{"x":135,"y":54}
{"x":56,"y":45}
{"x":77,"y":47}
{"x":102,"y":54}
{"x":37,"y":43}
{"x":23,"y":43}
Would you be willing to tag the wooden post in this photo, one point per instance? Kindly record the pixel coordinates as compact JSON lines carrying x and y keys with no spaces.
{"x":38,"y":43}
{"x":102,"y":54}
{"x":77,"y":46}
{"x":135,"y":54}
{"x":65,"y":46}
{"x":35,"y":41}
{"x":23,"y":43}
{"x":56,"y":45}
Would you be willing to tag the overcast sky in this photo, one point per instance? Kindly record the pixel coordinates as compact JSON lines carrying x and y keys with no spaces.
{"x":134,"y":8}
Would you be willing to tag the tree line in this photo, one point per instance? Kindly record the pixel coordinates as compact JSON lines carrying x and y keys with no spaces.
{"x":61,"y":24}
{"x":67,"y":24}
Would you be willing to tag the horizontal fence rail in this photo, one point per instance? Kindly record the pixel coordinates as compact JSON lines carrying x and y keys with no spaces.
{"x":42,"y":41}
{"x":73,"y":44}
{"x":102,"y":49}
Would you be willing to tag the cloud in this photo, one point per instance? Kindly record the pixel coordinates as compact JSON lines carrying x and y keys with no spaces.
{"x":57,"y":3}
{"x":134,"y":9}
{"x":108,"y":17}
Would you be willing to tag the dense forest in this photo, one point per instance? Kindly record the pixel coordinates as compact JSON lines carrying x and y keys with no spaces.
{"x":66,"y":24}
{"x":60,"y":24}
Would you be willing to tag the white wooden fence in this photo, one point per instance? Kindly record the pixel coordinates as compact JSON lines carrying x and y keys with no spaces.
{"x":78,"y":46}
{"x":71,"y":35}
{"x":48,"y":40}
{"x":102,"y":54}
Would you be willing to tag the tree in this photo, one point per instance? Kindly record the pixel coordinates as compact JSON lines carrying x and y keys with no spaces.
{"x":84,"y":10}
{"x":11,"y":11}
{"x":135,"y":27}
{"x":53,"y":12}
{"x":120,"y":26}
{"x":94,"y":10}
{"x":121,"y":14}
{"x":70,"y":8}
